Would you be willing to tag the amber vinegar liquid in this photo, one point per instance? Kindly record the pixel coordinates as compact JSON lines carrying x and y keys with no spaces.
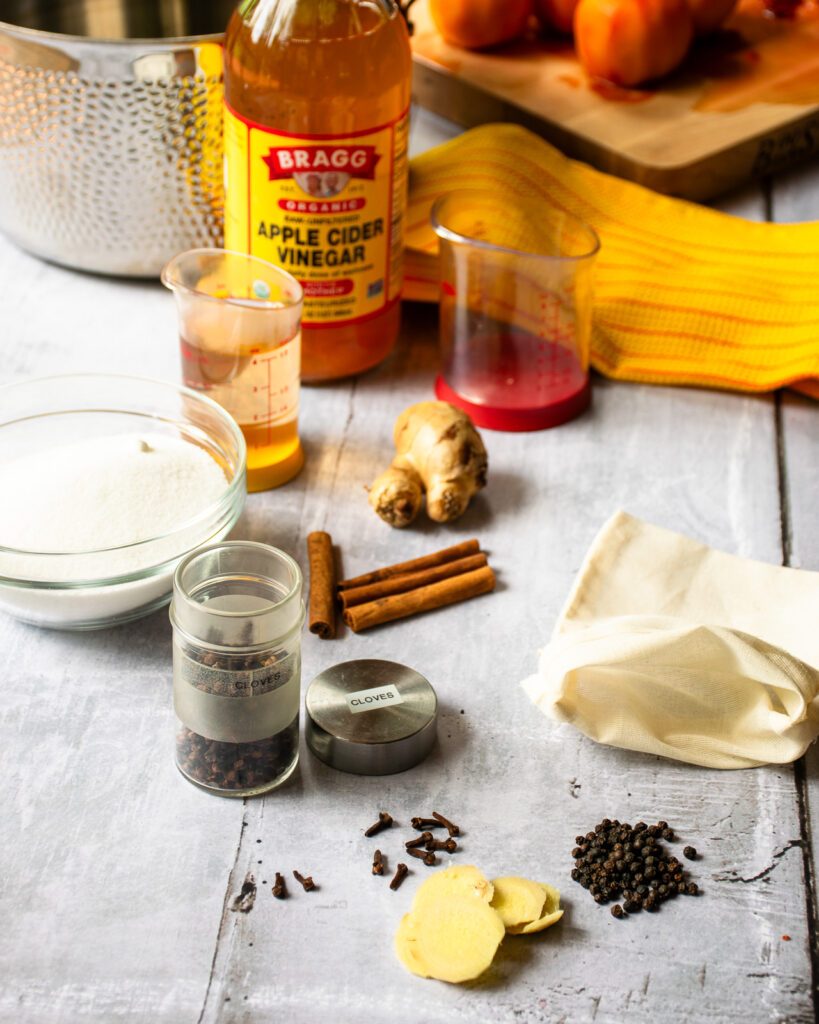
{"x":314,"y":69}
{"x":256,"y":378}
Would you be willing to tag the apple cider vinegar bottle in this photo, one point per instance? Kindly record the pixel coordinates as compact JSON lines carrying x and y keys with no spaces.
{"x":317,"y":99}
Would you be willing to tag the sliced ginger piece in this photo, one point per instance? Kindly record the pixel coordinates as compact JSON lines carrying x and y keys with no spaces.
{"x":406,"y":946}
{"x":460,"y":879}
{"x":452,"y":937}
{"x":519,"y":901}
{"x":550,"y":914}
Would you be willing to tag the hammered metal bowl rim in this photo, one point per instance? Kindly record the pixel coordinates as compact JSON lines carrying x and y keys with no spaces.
{"x":166,"y":42}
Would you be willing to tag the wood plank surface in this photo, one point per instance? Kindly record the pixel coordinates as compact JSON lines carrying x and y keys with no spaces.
{"x":117,"y":876}
{"x":700,"y":131}
{"x":795,"y":197}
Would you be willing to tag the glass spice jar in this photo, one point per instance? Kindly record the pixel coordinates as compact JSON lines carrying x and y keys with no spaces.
{"x":237,"y":615}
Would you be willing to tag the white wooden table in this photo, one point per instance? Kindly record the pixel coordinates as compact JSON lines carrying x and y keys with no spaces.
{"x":116,"y":875}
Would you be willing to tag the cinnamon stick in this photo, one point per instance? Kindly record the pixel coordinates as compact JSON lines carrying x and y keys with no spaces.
{"x":413,"y":580}
{"x":322,"y":584}
{"x":424,"y":599}
{"x":467,"y":547}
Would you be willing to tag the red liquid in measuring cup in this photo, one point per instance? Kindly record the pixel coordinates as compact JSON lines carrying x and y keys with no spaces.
{"x":513,"y":369}
{"x":509,"y":379}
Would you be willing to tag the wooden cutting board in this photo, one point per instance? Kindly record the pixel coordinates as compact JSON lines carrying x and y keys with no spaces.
{"x":745,"y":103}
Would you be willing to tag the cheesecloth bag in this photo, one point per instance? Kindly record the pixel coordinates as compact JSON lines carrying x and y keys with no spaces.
{"x":669,"y":647}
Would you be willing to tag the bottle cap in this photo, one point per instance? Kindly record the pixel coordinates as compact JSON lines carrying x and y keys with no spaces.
{"x":370,"y":717}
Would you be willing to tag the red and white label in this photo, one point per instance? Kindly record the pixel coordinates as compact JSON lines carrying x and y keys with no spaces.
{"x":328,"y":209}
{"x":287,"y":161}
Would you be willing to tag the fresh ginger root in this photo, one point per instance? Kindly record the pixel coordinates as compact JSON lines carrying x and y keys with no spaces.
{"x":438,"y":453}
{"x":459,"y":918}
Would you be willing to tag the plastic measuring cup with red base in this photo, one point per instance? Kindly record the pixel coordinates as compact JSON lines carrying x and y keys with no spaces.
{"x":515,"y":313}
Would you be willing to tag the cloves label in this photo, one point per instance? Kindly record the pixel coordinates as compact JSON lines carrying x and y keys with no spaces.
{"x":371,"y":700}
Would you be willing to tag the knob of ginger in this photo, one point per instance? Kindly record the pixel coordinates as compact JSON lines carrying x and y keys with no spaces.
{"x":438,"y":453}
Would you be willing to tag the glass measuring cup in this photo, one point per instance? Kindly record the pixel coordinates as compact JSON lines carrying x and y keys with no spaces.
{"x":240,"y":339}
{"x":515,"y":313}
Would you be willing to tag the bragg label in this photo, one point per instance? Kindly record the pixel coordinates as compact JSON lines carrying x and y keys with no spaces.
{"x":357,"y":161}
{"x":328,"y":209}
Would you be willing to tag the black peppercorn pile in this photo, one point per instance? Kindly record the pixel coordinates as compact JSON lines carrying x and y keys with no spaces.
{"x":616,"y":861}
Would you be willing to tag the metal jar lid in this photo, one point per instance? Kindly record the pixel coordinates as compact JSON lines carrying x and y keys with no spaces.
{"x":371,"y":717}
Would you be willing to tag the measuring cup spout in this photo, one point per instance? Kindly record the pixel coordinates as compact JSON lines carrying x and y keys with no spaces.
{"x":171,"y":274}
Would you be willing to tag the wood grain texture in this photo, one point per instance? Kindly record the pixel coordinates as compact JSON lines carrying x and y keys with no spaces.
{"x":799,"y":455}
{"x":520,"y":788}
{"x":795,"y":197}
{"x":117,"y":876}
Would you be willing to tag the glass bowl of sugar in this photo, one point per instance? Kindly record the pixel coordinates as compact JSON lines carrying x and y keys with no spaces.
{"x":106,"y":483}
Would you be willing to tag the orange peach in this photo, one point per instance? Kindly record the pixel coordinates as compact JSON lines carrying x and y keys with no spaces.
{"x":632,"y":41}
{"x":709,"y":14}
{"x":474,"y":24}
{"x":557,"y":14}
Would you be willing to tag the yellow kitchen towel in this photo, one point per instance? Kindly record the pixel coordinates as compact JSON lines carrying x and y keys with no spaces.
{"x":669,"y":647}
{"x":683,"y":294}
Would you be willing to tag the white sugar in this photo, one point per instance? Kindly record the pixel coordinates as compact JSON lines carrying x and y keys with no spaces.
{"x":105,"y":493}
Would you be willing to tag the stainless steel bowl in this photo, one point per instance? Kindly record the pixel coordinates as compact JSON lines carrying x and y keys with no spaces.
{"x":111,"y":129}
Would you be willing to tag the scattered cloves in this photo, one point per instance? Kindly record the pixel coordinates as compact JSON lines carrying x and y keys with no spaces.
{"x":306,"y":883}
{"x":384,"y":821}
{"x":279,"y":890}
{"x":378,"y":863}
{"x":421,"y":840}
{"x":401,"y":873}
{"x":452,"y":829}
{"x":442,"y":844}
{"x":423,"y":823}
{"x":426,"y":856}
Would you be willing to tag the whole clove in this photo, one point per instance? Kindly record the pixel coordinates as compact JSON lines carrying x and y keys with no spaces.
{"x":452,"y":829}
{"x":378,"y":863}
{"x":442,"y":844}
{"x":421,"y":840}
{"x":384,"y":821}
{"x":424,"y":823}
{"x":426,"y":856}
{"x":306,"y":883}
{"x":630,"y":866}
{"x":401,"y":873}
{"x":279,"y":890}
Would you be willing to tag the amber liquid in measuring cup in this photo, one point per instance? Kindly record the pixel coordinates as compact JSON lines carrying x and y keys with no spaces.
{"x":255,"y":376}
